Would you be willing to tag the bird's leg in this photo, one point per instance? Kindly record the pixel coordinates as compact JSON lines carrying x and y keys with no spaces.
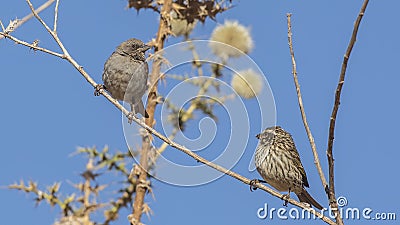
{"x":285,"y":198}
{"x":131,"y":114}
{"x":255,"y":181}
{"x":98,"y":88}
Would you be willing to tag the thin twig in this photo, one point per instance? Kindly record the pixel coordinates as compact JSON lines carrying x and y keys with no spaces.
{"x":28,"y":17}
{"x":300,"y":100}
{"x":53,"y":34}
{"x":151,"y":130}
{"x":336,"y":108}
{"x":164,"y":145}
{"x":2,"y":28}
{"x":32,"y":46}
{"x":56,"y":17}
{"x":38,"y":17}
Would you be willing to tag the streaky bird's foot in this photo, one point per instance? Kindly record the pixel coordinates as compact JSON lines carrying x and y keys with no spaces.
{"x":285,"y":199}
{"x":253,"y":182}
{"x":98,"y":88}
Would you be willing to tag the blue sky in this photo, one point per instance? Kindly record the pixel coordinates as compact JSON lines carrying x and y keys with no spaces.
{"x":48,"y":110}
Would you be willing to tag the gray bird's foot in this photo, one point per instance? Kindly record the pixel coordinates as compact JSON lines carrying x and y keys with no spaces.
{"x":98,"y":88}
{"x":253,"y":182}
{"x":130,"y":116}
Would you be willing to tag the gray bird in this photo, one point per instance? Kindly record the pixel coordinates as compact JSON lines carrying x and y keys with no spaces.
{"x":279,"y":164}
{"x":126,"y":72}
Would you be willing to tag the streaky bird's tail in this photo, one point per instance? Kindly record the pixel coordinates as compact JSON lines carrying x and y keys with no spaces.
{"x":304,"y":196}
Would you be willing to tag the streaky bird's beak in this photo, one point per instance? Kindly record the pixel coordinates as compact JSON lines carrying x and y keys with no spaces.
{"x":258,"y":136}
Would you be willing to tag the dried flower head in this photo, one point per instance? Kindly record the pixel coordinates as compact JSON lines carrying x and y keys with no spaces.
{"x":233,"y":34}
{"x":180,"y":26}
{"x":247,"y":83}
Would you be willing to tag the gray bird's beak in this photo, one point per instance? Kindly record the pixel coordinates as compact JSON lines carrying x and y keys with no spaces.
{"x":145,"y":48}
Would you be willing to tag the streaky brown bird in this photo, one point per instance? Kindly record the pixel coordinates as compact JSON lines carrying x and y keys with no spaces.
{"x":279,"y":164}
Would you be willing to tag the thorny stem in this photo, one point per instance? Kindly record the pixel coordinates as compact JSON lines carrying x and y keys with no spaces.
{"x":151,"y":106}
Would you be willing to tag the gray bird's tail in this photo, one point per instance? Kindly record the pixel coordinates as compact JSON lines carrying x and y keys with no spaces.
{"x":304,"y":196}
{"x":139,"y":108}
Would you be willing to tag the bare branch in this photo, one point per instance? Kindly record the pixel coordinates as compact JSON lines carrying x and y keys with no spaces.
{"x":53,"y":34}
{"x":28,"y":17}
{"x":336,"y":108}
{"x":300,"y":100}
{"x":56,"y":17}
{"x":32,"y":46}
{"x":164,"y":145}
{"x":38,"y":17}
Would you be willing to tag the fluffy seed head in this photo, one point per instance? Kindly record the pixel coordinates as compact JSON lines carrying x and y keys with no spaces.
{"x":247,"y":83}
{"x":233,"y":34}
